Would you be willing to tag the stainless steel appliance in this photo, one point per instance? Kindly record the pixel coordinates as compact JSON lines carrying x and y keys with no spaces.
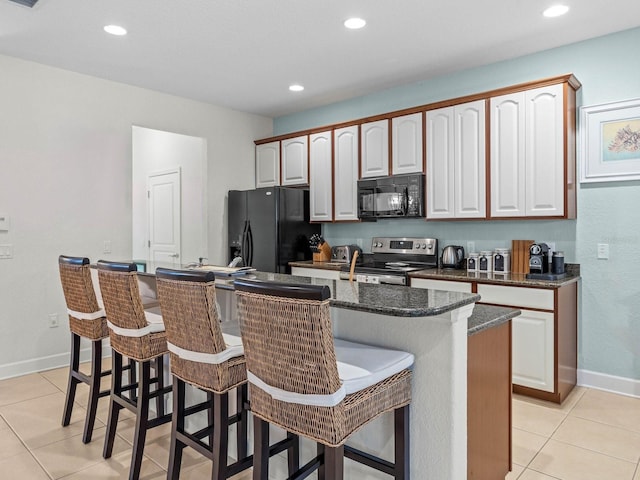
{"x":344,"y":253}
{"x":539,"y":258}
{"x":452,"y":256}
{"x":391,"y":197}
{"x":269,"y":227}
{"x":392,"y":259}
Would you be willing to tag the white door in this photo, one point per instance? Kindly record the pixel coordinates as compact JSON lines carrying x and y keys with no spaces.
{"x":469,"y":158}
{"x":164,"y":195}
{"x":440,"y":165}
{"x":268,"y":164}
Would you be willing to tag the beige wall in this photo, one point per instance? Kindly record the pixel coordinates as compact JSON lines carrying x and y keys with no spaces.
{"x":65,"y":182}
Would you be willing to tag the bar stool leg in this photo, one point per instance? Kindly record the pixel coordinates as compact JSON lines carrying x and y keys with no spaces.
{"x":142,"y":419}
{"x":242,"y":399}
{"x":74,"y":366}
{"x":260,"y":449}
{"x":401,"y":441}
{"x":334,"y":462}
{"x":94,"y":389}
{"x":177,"y":425}
{"x":293,"y":453}
{"x":114,"y":407}
{"x":220,"y":436}
{"x":160,"y":385}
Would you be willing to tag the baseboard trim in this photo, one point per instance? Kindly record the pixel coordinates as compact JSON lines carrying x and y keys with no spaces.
{"x":609,"y":383}
{"x":42,"y":364}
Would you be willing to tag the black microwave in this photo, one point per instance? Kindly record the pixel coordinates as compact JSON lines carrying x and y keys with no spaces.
{"x":397,"y":196}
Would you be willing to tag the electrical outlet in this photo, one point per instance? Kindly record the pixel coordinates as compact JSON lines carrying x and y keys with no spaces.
{"x":107,"y":246}
{"x":471,"y":247}
{"x":53,"y":320}
{"x":6,"y":251}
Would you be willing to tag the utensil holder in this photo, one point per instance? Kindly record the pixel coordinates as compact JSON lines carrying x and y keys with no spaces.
{"x":324,"y":255}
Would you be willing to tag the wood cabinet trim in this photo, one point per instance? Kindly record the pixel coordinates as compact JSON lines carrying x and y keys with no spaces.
{"x":568,"y":79}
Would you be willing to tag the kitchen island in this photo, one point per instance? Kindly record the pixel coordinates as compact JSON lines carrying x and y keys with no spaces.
{"x":437,"y":327}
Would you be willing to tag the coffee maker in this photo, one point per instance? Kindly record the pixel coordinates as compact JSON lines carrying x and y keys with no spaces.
{"x":539,"y":258}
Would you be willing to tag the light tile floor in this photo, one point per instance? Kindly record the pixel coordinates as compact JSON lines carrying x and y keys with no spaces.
{"x":593,"y":435}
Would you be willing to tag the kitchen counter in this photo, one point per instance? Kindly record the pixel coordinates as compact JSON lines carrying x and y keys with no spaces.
{"x":516,"y":279}
{"x":391,"y":300}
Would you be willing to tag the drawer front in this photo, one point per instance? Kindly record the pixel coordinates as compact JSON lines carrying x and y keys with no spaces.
{"x":447,"y":285}
{"x":315,"y":273}
{"x":516,"y":296}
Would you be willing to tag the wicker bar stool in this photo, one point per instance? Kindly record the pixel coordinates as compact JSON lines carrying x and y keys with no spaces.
{"x":86,"y":320}
{"x":305,"y":381}
{"x":138,"y":334}
{"x":208,"y":355}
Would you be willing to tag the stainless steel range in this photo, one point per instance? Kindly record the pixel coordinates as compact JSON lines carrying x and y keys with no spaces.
{"x":392,"y":259}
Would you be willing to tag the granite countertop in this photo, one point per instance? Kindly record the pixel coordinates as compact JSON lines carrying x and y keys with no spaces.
{"x":519,"y":279}
{"x":392,"y":300}
{"x":488,"y":316}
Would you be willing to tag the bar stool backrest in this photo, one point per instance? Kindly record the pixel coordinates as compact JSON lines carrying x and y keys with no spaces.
{"x":85,"y":316}
{"x":287,"y":336}
{"x":194,"y":337}
{"x":123,"y":305}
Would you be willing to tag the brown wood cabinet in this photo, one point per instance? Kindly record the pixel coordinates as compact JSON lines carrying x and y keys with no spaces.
{"x":488,"y":398}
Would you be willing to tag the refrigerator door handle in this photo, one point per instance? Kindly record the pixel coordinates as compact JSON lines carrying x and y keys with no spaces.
{"x":249,"y":245}
{"x":243,"y":244}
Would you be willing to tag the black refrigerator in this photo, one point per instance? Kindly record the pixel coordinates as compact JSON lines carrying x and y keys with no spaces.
{"x":269,"y":227}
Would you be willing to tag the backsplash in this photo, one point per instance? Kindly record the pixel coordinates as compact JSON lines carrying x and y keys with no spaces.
{"x":486,"y":235}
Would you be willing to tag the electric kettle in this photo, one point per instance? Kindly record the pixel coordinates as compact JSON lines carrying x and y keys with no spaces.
{"x":452,"y":256}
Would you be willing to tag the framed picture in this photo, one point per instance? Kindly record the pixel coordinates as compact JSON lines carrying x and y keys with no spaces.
{"x":610,"y":142}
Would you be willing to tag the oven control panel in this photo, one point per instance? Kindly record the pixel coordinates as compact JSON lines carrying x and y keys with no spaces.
{"x":405,"y":245}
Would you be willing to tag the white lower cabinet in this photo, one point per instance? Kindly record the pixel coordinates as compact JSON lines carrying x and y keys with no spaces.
{"x":532,"y":352}
{"x":447,"y":285}
{"x":315,"y":273}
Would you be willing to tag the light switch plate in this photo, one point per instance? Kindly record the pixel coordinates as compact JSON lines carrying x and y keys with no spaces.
{"x":5,"y":222}
{"x":6,"y":251}
{"x":603,"y":251}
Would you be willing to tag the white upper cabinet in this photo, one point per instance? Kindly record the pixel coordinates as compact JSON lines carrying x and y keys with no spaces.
{"x":527,"y":153}
{"x":374,"y":141}
{"x":320,"y":177}
{"x":295,"y":161}
{"x":456,"y":161}
{"x":345,"y":177}
{"x":268,"y":164}
{"x":406,"y":141}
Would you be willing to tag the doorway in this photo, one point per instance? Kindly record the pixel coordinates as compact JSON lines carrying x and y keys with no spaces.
{"x":154,"y":153}
{"x":164,"y":197}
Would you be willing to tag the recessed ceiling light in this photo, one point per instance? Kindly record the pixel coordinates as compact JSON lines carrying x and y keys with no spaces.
{"x":115,"y":30}
{"x":354,"y":23}
{"x":555,"y":11}
{"x":296,"y":88}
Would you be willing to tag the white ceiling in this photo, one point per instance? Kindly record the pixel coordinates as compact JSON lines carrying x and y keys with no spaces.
{"x":244,"y":54}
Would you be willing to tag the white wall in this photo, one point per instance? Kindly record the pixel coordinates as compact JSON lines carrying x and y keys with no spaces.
{"x":66,"y":183}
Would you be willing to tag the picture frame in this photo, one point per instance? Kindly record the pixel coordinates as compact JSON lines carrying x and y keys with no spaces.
{"x":610,"y":134}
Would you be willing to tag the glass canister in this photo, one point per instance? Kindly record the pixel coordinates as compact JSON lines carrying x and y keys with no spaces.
{"x":472,"y":262}
{"x":485,"y":261}
{"x":502,"y":260}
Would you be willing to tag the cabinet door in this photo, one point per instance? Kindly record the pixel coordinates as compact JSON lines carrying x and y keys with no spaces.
{"x":545,"y":179}
{"x":374,"y":141}
{"x":406,"y":141}
{"x":440,"y":164}
{"x":320,"y":178}
{"x":268,"y":164}
{"x":508,"y":155}
{"x":345,"y":175}
{"x":533,"y":350}
{"x":470,"y":160}
{"x":446,"y":285}
{"x":295,"y":163}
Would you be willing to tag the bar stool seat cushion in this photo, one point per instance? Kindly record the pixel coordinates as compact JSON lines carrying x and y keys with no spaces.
{"x":154,"y":320}
{"x":361,"y":366}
